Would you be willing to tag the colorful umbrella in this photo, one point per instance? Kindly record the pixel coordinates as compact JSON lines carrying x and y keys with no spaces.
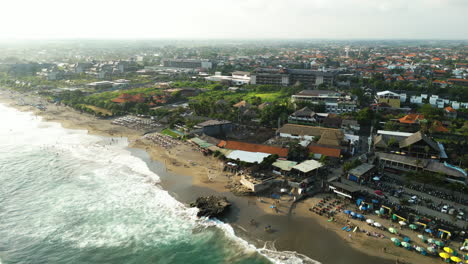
{"x":392,"y":230}
{"x":347,"y":211}
{"x":455,"y":259}
{"x":439,"y":243}
{"x":419,"y":249}
{"x":444,"y":255}
{"x":402,"y":223}
{"x":428,"y":230}
{"x":352,"y":213}
{"x":377,"y":224}
{"x":430,"y":240}
{"x":377,"y":212}
{"x":431,"y":249}
{"x":405,"y":244}
{"x":422,"y":237}
{"x":394,"y":239}
{"x":407,"y":239}
{"x":448,"y":250}
{"x":360,"y":216}
{"x":413,"y":226}
{"x":370,"y":221}
{"x":379,"y":192}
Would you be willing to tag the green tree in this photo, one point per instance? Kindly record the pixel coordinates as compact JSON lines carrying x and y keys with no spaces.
{"x":297,"y":152}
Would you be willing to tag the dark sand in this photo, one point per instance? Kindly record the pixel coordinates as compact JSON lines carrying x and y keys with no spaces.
{"x":291,"y":233}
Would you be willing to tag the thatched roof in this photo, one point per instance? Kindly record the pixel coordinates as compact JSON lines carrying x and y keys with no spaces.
{"x":416,"y":137}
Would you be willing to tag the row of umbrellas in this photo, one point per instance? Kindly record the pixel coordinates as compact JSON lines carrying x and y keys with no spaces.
{"x":353,"y":214}
{"x":445,"y":255}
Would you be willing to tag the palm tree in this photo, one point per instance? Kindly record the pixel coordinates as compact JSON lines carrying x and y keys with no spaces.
{"x":418,"y":163}
{"x":426,"y":149}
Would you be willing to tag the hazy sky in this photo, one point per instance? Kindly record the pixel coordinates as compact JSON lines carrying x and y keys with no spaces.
{"x":434,"y":19}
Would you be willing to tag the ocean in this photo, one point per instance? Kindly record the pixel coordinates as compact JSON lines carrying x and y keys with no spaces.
{"x":70,"y":197}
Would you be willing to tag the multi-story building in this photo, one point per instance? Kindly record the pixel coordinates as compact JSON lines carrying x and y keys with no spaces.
{"x":187,"y":63}
{"x":334,"y":102}
{"x":286,"y":77}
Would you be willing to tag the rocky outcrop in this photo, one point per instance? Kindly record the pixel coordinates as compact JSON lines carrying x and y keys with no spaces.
{"x":211,"y":206}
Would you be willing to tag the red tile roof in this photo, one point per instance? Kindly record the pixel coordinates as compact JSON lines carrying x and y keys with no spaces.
{"x":450,"y":109}
{"x":411,"y":118}
{"x":236,"y":145}
{"x":331,"y":152}
{"x":438,"y":127}
{"x":123,"y":98}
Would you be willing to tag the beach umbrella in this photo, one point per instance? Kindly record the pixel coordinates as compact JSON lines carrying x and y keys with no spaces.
{"x":413,"y":226}
{"x":431,"y":249}
{"x":379,"y":192}
{"x":377,"y":224}
{"x":352,"y":214}
{"x":360,"y":216}
{"x":377,"y":212}
{"x":392,"y":230}
{"x":395,"y":240}
{"x":455,"y":259}
{"x":370,"y":221}
{"x":430,"y":240}
{"x":347,"y":211}
{"x":376,"y":179}
{"x":422,"y":237}
{"x":444,"y":255}
{"x":406,"y":239}
{"x":439,"y":243}
{"x":448,"y":250}
{"x":428,"y":230}
{"x":405,"y":244}
{"x":419,"y":249}
{"x":402,"y":223}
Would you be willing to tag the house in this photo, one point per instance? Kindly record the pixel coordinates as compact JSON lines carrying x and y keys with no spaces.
{"x":350,"y":126}
{"x":390,"y":98}
{"x":420,"y":145}
{"x":215,"y":127}
{"x":361,"y":173}
{"x":303,"y":116}
{"x":307,"y":167}
{"x":308,"y":132}
{"x":407,"y":163}
{"x":332,"y":120}
{"x":411,"y":119}
{"x":450,"y":112}
{"x":250,"y":147}
{"x":101,"y":84}
{"x":461,"y":82}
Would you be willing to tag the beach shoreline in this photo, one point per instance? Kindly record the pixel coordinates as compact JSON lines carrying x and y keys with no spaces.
{"x":186,"y":174}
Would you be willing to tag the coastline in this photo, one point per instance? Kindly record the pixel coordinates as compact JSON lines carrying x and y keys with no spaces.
{"x":184,"y":173}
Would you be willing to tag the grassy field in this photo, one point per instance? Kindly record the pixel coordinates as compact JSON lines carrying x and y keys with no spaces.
{"x":98,"y":109}
{"x":170,"y":133}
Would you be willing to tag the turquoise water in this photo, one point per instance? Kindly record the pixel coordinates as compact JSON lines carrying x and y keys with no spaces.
{"x":68,"y":197}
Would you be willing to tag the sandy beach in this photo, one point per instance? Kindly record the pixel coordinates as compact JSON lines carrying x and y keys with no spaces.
{"x":187,"y":174}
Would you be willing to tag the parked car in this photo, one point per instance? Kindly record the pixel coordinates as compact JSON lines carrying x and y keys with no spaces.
{"x":461,"y":215}
{"x":444,"y":209}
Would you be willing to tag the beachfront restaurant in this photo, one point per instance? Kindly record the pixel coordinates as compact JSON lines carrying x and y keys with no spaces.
{"x":344,"y":190}
{"x":361,"y":172}
{"x":283,"y":167}
{"x":307,"y":168}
